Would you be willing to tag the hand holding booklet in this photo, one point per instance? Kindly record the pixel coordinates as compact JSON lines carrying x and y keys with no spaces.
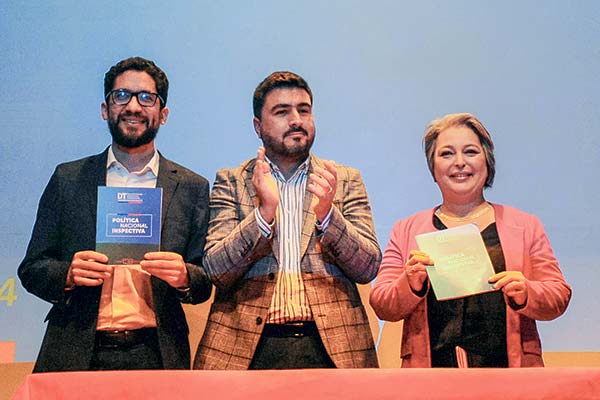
{"x":128,"y":223}
{"x":462,"y":265}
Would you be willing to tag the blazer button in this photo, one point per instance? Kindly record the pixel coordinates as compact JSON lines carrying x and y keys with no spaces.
{"x":271,"y":276}
{"x":258,"y":320}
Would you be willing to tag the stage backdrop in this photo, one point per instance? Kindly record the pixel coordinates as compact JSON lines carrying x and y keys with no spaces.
{"x":380,"y":71}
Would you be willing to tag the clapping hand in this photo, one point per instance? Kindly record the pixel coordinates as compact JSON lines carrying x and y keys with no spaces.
{"x":265,"y":186}
{"x":323,"y":184}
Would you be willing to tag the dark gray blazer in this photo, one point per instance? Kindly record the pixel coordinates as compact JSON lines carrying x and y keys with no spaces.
{"x":66,"y":224}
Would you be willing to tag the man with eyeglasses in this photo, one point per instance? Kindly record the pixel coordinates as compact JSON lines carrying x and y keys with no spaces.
{"x":107,"y":317}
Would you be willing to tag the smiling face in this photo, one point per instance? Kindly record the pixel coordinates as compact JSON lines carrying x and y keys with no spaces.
{"x":286,"y":124}
{"x":460,"y":168}
{"x":132,"y":125}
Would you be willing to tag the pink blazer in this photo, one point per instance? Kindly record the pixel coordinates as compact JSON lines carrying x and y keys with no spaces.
{"x":526,"y":248}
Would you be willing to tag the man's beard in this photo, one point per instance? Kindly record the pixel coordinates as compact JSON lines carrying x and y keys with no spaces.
{"x":124,"y":140}
{"x":298,"y":151}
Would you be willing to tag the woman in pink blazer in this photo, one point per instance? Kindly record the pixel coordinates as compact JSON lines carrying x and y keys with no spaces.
{"x":494,"y":329}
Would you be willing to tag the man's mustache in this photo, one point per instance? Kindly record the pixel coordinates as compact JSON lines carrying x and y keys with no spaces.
{"x":295,"y":130}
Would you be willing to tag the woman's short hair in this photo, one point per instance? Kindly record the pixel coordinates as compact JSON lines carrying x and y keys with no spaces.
{"x":436,"y":127}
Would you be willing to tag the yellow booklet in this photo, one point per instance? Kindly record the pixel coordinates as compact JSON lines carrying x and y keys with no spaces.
{"x":462,"y":265}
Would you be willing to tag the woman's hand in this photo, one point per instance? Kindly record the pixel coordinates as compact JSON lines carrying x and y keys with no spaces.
{"x":513,"y":284}
{"x":416,"y":270}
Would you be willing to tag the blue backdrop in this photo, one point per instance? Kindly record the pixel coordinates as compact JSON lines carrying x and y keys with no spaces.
{"x":380,"y":71}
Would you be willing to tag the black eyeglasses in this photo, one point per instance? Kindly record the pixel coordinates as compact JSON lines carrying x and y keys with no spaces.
{"x":122,"y":97}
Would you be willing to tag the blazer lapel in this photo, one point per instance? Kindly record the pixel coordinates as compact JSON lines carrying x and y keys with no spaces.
{"x":308,"y":215}
{"x":511,"y":240}
{"x":167,"y":180}
{"x":95,"y":173}
{"x":249,"y":171}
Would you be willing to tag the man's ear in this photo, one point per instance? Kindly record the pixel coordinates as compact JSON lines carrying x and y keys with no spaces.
{"x":164,"y":113}
{"x":256,"y":123}
{"x":104,"y":108}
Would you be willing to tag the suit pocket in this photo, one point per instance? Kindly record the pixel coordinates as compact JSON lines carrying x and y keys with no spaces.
{"x":405,"y":351}
{"x":532,"y":347}
{"x":340,"y":288}
{"x":530,"y":339}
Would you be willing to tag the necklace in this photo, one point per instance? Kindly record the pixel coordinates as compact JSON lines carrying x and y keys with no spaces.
{"x":478,"y":214}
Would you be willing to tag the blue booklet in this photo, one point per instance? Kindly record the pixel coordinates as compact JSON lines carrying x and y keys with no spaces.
{"x":128,"y":223}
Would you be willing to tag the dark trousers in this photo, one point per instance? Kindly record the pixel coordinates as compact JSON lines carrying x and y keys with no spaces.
{"x":291,"y":346}
{"x":127,"y":350}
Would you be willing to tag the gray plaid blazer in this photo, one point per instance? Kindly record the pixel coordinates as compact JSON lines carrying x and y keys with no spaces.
{"x":243,"y":265}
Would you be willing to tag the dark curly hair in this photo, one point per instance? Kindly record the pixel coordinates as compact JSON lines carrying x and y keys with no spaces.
{"x":279,"y":79}
{"x":138,"y":64}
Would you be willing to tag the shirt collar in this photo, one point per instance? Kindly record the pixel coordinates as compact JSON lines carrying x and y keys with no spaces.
{"x":302,"y":169}
{"x":111,"y":161}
